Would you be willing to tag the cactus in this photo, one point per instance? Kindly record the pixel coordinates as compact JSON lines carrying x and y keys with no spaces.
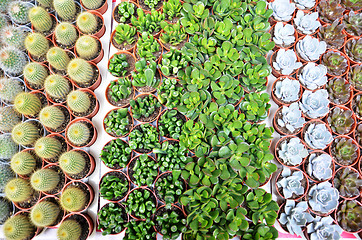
{"x":87,"y":47}
{"x":9,"y":88}
{"x":69,"y":230}
{"x":40,"y":19}
{"x":45,"y":3}
{"x":44,"y":180}
{"x":7,"y":147}
{"x":51,"y":117}
{"x":6,"y":174}
{"x":35,"y":74}
{"x":73,"y":199}
{"x":58,"y":58}
{"x":6,"y":209}
{"x":27,"y":103}
{"x":87,"y":23}
{"x":66,"y":34}
{"x":78,"y":134}
{"x":44,"y":214}
{"x":48,"y":147}
{"x":25,"y":133}
{"x":3,"y":20}
{"x":18,"y":12}
{"x":92,"y":4}
{"x":80,"y":71}
{"x":8,"y":119}
{"x":18,"y":190}
{"x":4,"y":5}
{"x":23,"y":163}
{"x":18,"y":227}
{"x":12,"y":60}
{"x":57,"y":87}
{"x":78,"y":101}
{"x":13,"y":36}
{"x":65,"y":9}
{"x":37,"y":44}
{"x":72,"y":162}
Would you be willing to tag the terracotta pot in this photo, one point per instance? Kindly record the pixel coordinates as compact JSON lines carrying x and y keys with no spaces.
{"x":271,"y":31}
{"x":147,"y":89}
{"x":51,"y":100}
{"x":102,"y":30}
{"x":98,"y":57}
{"x":51,"y":31}
{"x":305,"y":127}
{"x":174,"y":207}
{"x":94,"y":134}
{"x":95,"y":83}
{"x":279,"y":129}
{"x":114,"y":10}
{"x":360,"y":166}
{"x":351,"y":61}
{"x":61,"y":72}
{"x":338,"y":172}
{"x":64,"y":109}
{"x":42,"y":60}
{"x":61,"y":138}
{"x":84,"y":220}
{"x":39,"y":162}
{"x":38,"y":230}
{"x":102,"y":9}
{"x":157,"y":58}
{"x":63,"y":179}
{"x":126,"y":53}
{"x":71,"y":47}
{"x":87,"y":189}
{"x":275,"y":72}
{"x":353,"y":117}
{"x":131,"y":50}
{"x":118,"y":105}
{"x":118,"y":173}
{"x":310,"y":208}
{"x":356,"y":136}
{"x":342,"y":54}
{"x":144,"y":189}
{"x":350,"y":80}
{"x":43,"y":100}
{"x":137,"y":127}
{"x":113,"y":134}
{"x":96,"y":107}
{"x":143,"y":95}
{"x":61,"y":215}
{"x":336,"y":218}
{"x":305,"y":189}
{"x":306,"y":162}
{"x":161,"y":176}
{"x":124,"y":211}
{"x":354,"y":142}
{"x":108,"y":143}
{"x":89,"y":161}
{"x":131,"y":175}
{"x":280,"y":141}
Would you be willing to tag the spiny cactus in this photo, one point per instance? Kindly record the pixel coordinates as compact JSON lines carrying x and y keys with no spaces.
{"x":44,"y":214}
{"x":25,"y":133}
{"x":40,"y":19}
{"x":37,"y":44}
{"x":72,"y":162}
{"x":92,"y":4}
{"x":9,"y":88}
{"x":73,"y":199}
{"x":8,"y":119}
{"x":6,"y":174}
{"x":4,"y":5}
{"x":12,"y":60}
{"x":3,"y":19}
{"x":78,"y":101}
{"x":65,"y":9}
{"x":7,"y":146}
{"x":18,"y":227}
{"x":48,"y":147}
{"x":58,"y":58}
{"x":23,"y":163}
{"x":80,"y":71}
{"x":51,"y":117}
{"x":18,"y":190}
{"x":69,"y":230}
{"x":45,"y":3}
{"x":18,"y":12}
{"x":78,"y":134}
{"x":87,"y":47}
{"x":6,"y":209}
{"x":13,"y":36}
{"x":35,"y":74}
{"x":27,"y":103}
{"x":57,"y":87}
{"x":66,"y":34}
{"x":44,"y":180}
{"x":87,"y":23}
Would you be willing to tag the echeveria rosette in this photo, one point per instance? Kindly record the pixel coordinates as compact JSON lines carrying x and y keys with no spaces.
{"x":352,"y":5}
{"x":287,"y":90}
{"x":344,"y":151}
{"x":310,"y":48}
{"x":315,"y":104}
{"x":291,"y":118}
{"x":323,"y":228}
{"x":349,"y":215}
{"x":339,"y":90}
{"x":307,"y":23}
{"x":353,"y":49}
{"x":286,"y":61}
{"x":355,"y":77}
{"x":323,"y":198}
{"x":292,"y":151}
{"x":313,"y":76}
{"x":332,"y":34}
{"x":295,"y":217}
{"x":305,"y":4}
{"x":291,"y":183}
{"x":317,"y":136}
{"x":341,"y":121}
{"x":330,"y":10}
{"x":283,"y":35}
{"x":319,"y":167}
{"x":283,"y":10}
{"x":335,"y":62}
{"x":357,"y":105}
{"x":348,"y":182}
{"x":353,"y":23}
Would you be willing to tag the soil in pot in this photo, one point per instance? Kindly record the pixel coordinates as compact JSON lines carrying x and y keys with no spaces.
{"x":31,"y":201}
{"x":93,"y":104}
{"x":91,"y":135}
{"x":95,"y":77}
{"x":117,"y":15}
{"x":122,"y":177}
{"x":121,"y":102}
{"x":124,"y":45}
{"x":147,"y":8}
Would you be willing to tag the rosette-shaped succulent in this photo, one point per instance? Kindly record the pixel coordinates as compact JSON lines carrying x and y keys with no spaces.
{"x":353,"y":23}
{"x":307,"y":23}
{"x":344,"y":151}
{"x":332,"y":35}
{"x":358,"y":133}
{"x":313,"y":76}
{"x":352,"y":5}
{"x":355,"y":77}
{"x":349,"y":216}
{"x":339,"y":90}
{"x":310,"y":48}
{"x":304,"y":4}
{"x":283,"y":35}
{"x":292,"y":151}
{"x":315,"y":104}
{"x":356,"y":105}
{"x":291,"y":118}
{"x":295,"y":217}
{"x":335,"y":62}
{"x":291,"y":183}
{"x":354,"y":49}
{"x":282,"y":10}
{"x":317,"y":136}
{"x":286,"y":62}
{"x":323,"y":229}
{"x":340,"y":120}
{"x":348,"y":182}
{"x":323,"y":198}
{"x":287,"y":90}
{"x":330,"y":10}
{"x":320,"y":166}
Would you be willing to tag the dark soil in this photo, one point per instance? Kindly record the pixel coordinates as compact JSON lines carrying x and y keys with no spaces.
{"x":31,"y":201}
{"x":120,"y":103}
{"x":147,"y":8}
{"x":124,"y":46}
{"x":83,"y":223}
{"x":284,"y":129}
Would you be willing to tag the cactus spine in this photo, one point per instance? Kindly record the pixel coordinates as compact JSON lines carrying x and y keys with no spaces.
{"x":35,"y":74}
{"x":87,"y":23}
{"x":80,"y":71}
{"x":57,"y":87}
{"x":78,"y":134}
{"x":58,"y":58}
{"x":87,"y":47}
{"x":13,"y":37}
{"x":18,"y":227}
{"x":44,"y":180}
{"x":69,"y":230}
{"x":23,"y":163}
{"x":18,"y":12}
{"x":51,"y":117}
{"x":72,"y":162}
{"x":7,"y":147}
{"x":9,"y":88}
{"x":27,"y":103}
{"x":66,"y":34}
{"x":36,"y":44}
{"x":18,"y":190}
{"x":65,"y":9}
{"x":48,"y":147}
{"x":73,"y":199}
{"x":44,"y":214}
{"x":25,"y":133}
{"x":40,"y":19}
{"x":8,"y":119}
{"x":78,"y":101}
{"x":12,"y":60}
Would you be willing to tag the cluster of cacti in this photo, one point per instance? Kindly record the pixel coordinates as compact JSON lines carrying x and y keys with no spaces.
{"x":80,"y":71}
{"x":25,"y":133}
{"x":87,"y":23}
{"x":12,"y":60}
{"x":18,"y":12}
{"x":9,"y":88}
{"x":57,"y":87}
{"x":8,"y":119}
{"x":18,"y":190}
{"x":23,"y":163}
{"x":87,"y":47}
{"x":48,"y":147}
{"x":78,"y":133}
{"x":13,"y":36}
{"x":40,"y":19}
{"x":44,"y":214}
{"x":18,"y":227}
{"x":27,"y":103}
{"x":66,"y":34}
{"x":45,"y":180}
{"x":72,"y":162}
{"x":36,"y":44}
{"x":7,"y":147}
{"x":69,"y":230}
{"x":73,"y":199}
{"x":35,"y":74}
{"x":51,"y":117}
{"x":78,"y":101}
{"x":66,"y":9}
{"x":58,"y":58}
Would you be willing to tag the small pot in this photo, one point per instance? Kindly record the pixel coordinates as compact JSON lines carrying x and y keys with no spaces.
{"x":86,"y":188}
{"x":275,"y":72}
{"x":306,"y":162}
{"x":38,"y":230}
{"x":43,"y":100}
{"x":161,"y":176}
{"x":351,"y":61}
{"x":129,"y":168}
{"x":336,"y":218}
{"x":102,"y":30}
{"x":353,"y":117}
{"x":28,"y":204}
{"x":98,"y":57}
{"x":144,"y":189}
{"x":71,"y":47}
{"x":129,"y":49}
{"x":56,"y":101}
{"x":117,"y":173}
{"x":121,"y":104}
{"x":102,"y":9}
{"x":41,"y":60}
{"x":155,"y":55}
{"x":310,"y":208}
{"x":350,"y":94}
{"x":89,"y":162}
{"x":271,"y":31}
{"x":95,"y":108}
{"x":124,"y":213}
{"x":138,"y":150}
{"x":93,"y":136}
{"x":282,"y":140}
{"x":51,"y":31}
{"x":131,"y":59}
{"x":41,"y":131}
{"x":119,"y":167}
{"x":299,"y":72}
{"x":279,"y":101}
{"x":167,"y":46}
{"x":61,"y":215}
{"x":338,"y":172}
{"x":354,"y":142}
{"x":305,"y":127}
{"x":85,"y":222}
{"x":148,"y":89}
{"x":62,"y":180}
{"x":66,"y":147}
{"x":281,"y":130}
{"x":297,"y":198}
{"x":297,"y":53}
{"x":174,"y":207}
{"x":116,"y":8}
{"x":95,"y":83}
{"x":65,"y":110}
{"x":143,"y":95}
{"x":129,"y":128}
{"x":178,"y":116}
{"x":343,"y":55}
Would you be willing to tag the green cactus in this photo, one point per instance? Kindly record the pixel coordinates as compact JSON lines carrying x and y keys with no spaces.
{"x":8,"y":119}
{"x":35,"y":74}
{"x":7,"y":147}
{"x":58,"y":58}
{"x":25,"y":133}
{"x":73,"y":199}
{"x":23,"y":163}
{"x":78,"y":134}
{"x":44,"y":214}
{"x":92,"y":4}
{"x":6,"y":209}
{"x":6,"y":174}
{"x":12,"y":60}
{"x":87,"y":23}
{"x":13,"y":36}
{"x":36,"y":44}
{"x":27,"y":103}
{"x":72,"y":162}
{"x":18,"y":12}
{"x":48,"y":147}
{"x":3,"y":19}
{"x":65,"y":9}
{"x":4,"y":5}
{"x":80,"y":71}
{"x":87,"y":47}
{"x":78,"y":101}
{"x":66,"y":34}
{"x":69,"y":230}
{"x":9,"y":88}
{"x":57,"y":87}
{"x":40,"y":19}
{"x":18,"y":227}
{"x":45,"y":3}
{"x":44,"y":180}
{"x":18,"y":190}
{"x":51,"y":117}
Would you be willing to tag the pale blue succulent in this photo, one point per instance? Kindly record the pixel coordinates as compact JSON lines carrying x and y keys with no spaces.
{"x":310,"y":48}
{"x":324,"y":229}
{"x":282,"y":10}
{"x":307,"y":23}
{"x":304,"y":4}
{"x":313,"y":76}
{"x":323,"y":198}
{"x":287,"y":90}
{"x":292,"y":118}
{"x":295,"y":217}
{"x":286,"y":61}
{"x":283,"y":34}
{"x":319,"y":167}
{"x":317,"y":136}
{"x":292,"y":151}
{"x":291,"y":183}
{"x":315,"y":104}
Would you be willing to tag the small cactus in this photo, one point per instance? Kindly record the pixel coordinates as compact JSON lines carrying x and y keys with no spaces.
{"x":35,"y":74}
{"x":9,"y":88}
{"x":58,"y":58}
{"x":27,"y":104}
{"x":6,"y":174}
{"x":66,"y":34}
{"x":51,"y":117}
{"x":18,"y":190}
{"x":8,"y":119}
{"x":4,"y":5}
{"x":25,"y":133}
{"x":40,"y":19}
{"x":45,"y":3}
{"x":87,"y":47}
{"x":7,"y":147}
{"x":36,"y":44}
{"x":73,"y":199}
{"x":65,"y":9}
{"x":44,"y":180}
{"x":44,"y":214}
{"x":72,"y":162}
{"x":48,"y":147}
{"x":69,"y":230}
{"x":18,"y":12}
{"x":12,"y":60}
{"x":80,"y":71}
{"x":78,"y":134}
{"x":6,"y":209}
{"x":87,"y":23}
{"x":18,"y":227}
{"x":13,"y":37}
{"x":92,"y":4}
{"x":78,"y":101}
{"x":3,"y":20}
{"x":57,"y":87}
{"x":23,"y":163}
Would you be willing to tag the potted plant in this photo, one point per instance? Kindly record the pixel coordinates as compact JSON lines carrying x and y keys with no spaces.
{"x":42,"y":21}
{"x":348,"y":182}
{"x":145,"y":79}
{"x":89,"y":48}
{"x":285,"y":62}
{"x":344,"y":150}
{"x":119,"y":92}
{"x":100,"y":6}
{"x":76,"y":164}
{"x":315,"y":104}
{"x":148,"y":47}
{"x":141,"y":203}
{"x":145,"y":108}
{"x":6,"y":174}
{"x":350,"y":20}
{"x":322,"y":198}
{"x":34,"y":77}
{"x":75,"y":225}
{"x":312,"y":76}
{"x":114,"y":186}
{"x":65,"y":35}
{"x":255,"y":106}
{"x":91,"y":23}
{"x":20,"y":192}
{"x":66,"y":10}
{"x":151,"y":5}
{"x":144,"y":138}
{"x":112,"y":218}
{"x":288,"y":120}
{"x":173,"y":36}
{"x":84,"y":74}
{"x":227,"y":90}
{"x":339,"y":90}
{"x":336,"y":63}
{"x":306,"y":24}
{"x":348,"y":216}
{"x":55,"y":118}
{"x":283,"y":11}
{"x":47,"y":212}
{"x":169,"y":93}
{"x":172,"y":62}
{"x":121,"y":64}
{"x":10,"y":89}
{"x":80,"y":133}
{"x":333,"y":34}
{"x":58,"y":60}
{"x":82,"y":103}
{"x":291,"y":183}
{"x":125,"y":36}
{"x":352,"y":49}
{"x":50,"y":147}
{"x":49,"y":180}
{"x":140,"y":230}
{"x":290,"y":151}
{"x":169,"y":187}
{"x":319,"y":166}
{"x":12,"y":61}
{"x":310,"y":49}
{"x":169,"y":123}
{"x":329,"y":11}
{"x":284,"y":35}
{"x":286,"y":90}
{"x":148,"y":22}
{"x":317,"y":135}
{"x":20,"y":226}
{"x":170,"y":223}
{"x":123,"y":12}
{"x":8,"y":119}
{"x":354,"y":77}
{"x":171,"y":155}
{"x":143,"y":170}
{"x":8,"y":147}
{"x":29,"y":104}
{"x":341,"y":120}
{"x":323,"y":226}
{"x":116,"y":154}
{"x":7,"y":209}
{"x":24,"y":163}
{"x":356,"y":106}
{"x":76,"y":196}
{"x":57,"y":88}
{"x":37,"y":46}
{"x":118,"y":122}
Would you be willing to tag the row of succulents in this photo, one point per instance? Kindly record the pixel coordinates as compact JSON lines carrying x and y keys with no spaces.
{"x":317,"y":64}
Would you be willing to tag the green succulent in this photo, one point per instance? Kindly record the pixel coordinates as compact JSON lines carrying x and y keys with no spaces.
{"x":66,"y":34}
{"x":114,"y":186}
{"x":25,"y":133}
{"x":125,"y":34}
{"x":45,"y":180}
{"x":260,"y":231}
{"x":18,"y":227}
{"x":227,"y":90}
{"x":23,"y":163}
{"x":57,"y":87}
{"x":173,"y":34}
{"x":170,"y":124}
{"x":170,"y":92}
{"x":171,"y":223}
{"x":140,"y":230}
{"x":143,"y":138}
{"x":87,"y":47}
{"x":58,"y":58}
{"x":147,"y":47}
{"x":72,"y":162}
{"x":8,"y":119}
{"x":172,"y":9}
{"x":52,"y":117}
{"x":48,"y":147}
{"x":116,"y":154}
{"x":145,"y":77}
{"x":87,"y":23}
{"x":120,"y":89}
{"x":169,"y":187}
{"x":255,"y":106}
{"x":147,"y":22}
{"x":118,"y":122}
{"x":27,"y":103}
{"x":9,"y":88}
{"x":18,"y":190}
{"x":40,"y":19}
{"x":141,"y":203}
{"x":145,"y":108}
{"x":125,"y":11}
{"x":172,"y":62}
{"x":192,"y":103}
{"x":78,"y":134}
{"x":344,"y":151}
{"x":112,"y":218}
{"x":79,"y":102}
{"x":171,"y":156}
{"x":143,"y":170}
{"x":119,"y":65}
{"x":81,"y":72}
{"x":66,"y":9}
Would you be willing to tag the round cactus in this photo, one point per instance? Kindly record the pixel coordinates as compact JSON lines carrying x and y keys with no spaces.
{"x":48,"y":147}
{"x":58,"y":58}
{"x":80,"y":71}
{"x":18,"y":12}
{"x":18,"y":227}
{"x":12,"y":60}
{"x":8,"y":119}
{"x":36,"y":44}
{"x":73,"y":199}
{"x":45,"y":3}
{"x":65,"y":9}
{"x":25,"y":133}
{"x":44,"y":214}
{"x":92,"y":4}
{"x":13,"y":36}
{"x":44,"y":180}
{"x":69,"y":230}
{"x":27,"y":103}
{"x":6,"y":174}
{"x":4,"y":5}
{"x":9,"y":88}
{"x":72,"y":162}
{"x":18,"y":190}
{"x":78,"y":101}
{"x":35,"y":74}
{"x":3,"y":20}
{"x":66,"y":34}
{"x":87,"y":23}
{"x":6,"y":209}
{"x":7,"y":146}
{"x":23,"y":163}
{"x":51,"y":117}
{"x":78,"y":134}
{"x":87,"y":47}
{"x":57,"y":87}
{"x":40,"y":19}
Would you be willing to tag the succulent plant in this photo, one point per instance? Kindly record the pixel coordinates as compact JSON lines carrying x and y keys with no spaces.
{"x":48,"y":147}
{"x":9,"y":88}
{"x":323,"y":198}
{"x":69,"y":229}
{"x":341,"y":121}
{"x":87,"y":23}
{"x":332,"y":34}
{"x":306,"y":23}
{"x":292,"y":151}
{"x":57,"y":87}
{"x":35,"y":74}
{"x":12,"y":60}
{"x":66,"y":34}
{"x":7,"y":147}
{"x":18,"y":227}
{"x":291,"y":183}
{"x":352,"y":23}
{"x":72,"y":162}
{"x":87,"y":47}
{"x":45,"y":180}
{"x":78,"y":134}
{"x":335,"y":62}
{"x":344,"y":151}
{"x":291,"y":118}
{"x":140,"y":229}
{"x":27,"y":104}
{"x":73,"y":199}
{"x":283,"y":34}
{"x":6,"y":174}
{"x":66,"y":9}
{"x":286,"y":61}
{"x":320,"y":166}
{"x":6,"y":209}
{"x":355,"y":77}
{"x":78,"y":101}
{"x":13,"y":36}
{"x":287,"y":90}
{"x":227,"y":90}
{"x":353,"y":49}
{"x":149,"y":23}
{"x":174,"y":34}
{"x":313,"y":76}
{"x":310,"y":48}
{"x":282,"y":10}
{"x":58,"y":58}
{"x":348,"y":182}
{"x":147,"y":47}
{"x":317,"y":136}
{"x":315,"y":104}
{"x":255,"y":106}
{"x":138,"y":200}
{"x":52,"y":117}
{"x":349,"y":216}
{"x":8,"y":119}
{"x":324,"y":228}
{"x":25,"y":133}
{"x":92,"y":4}
{"x":80,"y":71}
{"x":339,"y":90}
{"x":18,"y":11}
{"x":40,"y":19}
{"x":125,"y":34}
{"x":351,"y":5}
{"x":23,"y":163}
{"x":18,"y":190}
{"x":36,"y":44}
{"x":330,"y":10}
{"x":305,"y":4}
{"x":44,"y":213}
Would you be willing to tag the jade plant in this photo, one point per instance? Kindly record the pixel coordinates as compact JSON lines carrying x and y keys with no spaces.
{"x":172,"y":9}
{"x":125,"y":11}
{"x":227,"y":90}
{"x":87,"y":23}
{"x":170,"y":92}
{"x":126,"y":35}
{"x":87,"y":47}
{"x":145,"y":78}
{"x":144,"y":138}
{"x":112,"y":218}
{"x":143,"y":170}
{"x":35,"y":74}
{"x":69,"y":229}
{"x":66,"y":34}
{"x":145,"y":108}
{"x":119,"y":65}
{"x":172,"y":62}
{"x":45,"y":180}
{"x":118,"y":122}
{"x":41,"y":19}
{"x":9,"y":89}
{"x":348,"y":182}
{"x":8,"y":119}
{"x":192,"y":103}
{"x":255,"y":106}
{"x":344,"y":151}
{"x":148,"y":47}
{"x":116,"y":154}
{"x":57,"y":87}
{"x":341,"y":120}
{"x":52,"y":117}
{"x":170,"y":124}
{"x":349,"y":215}
{"x":23,"y":163}
{"x":79,"y":102}
{"x":19,"y":227}
{"x":141,"y":203}
{"x":339,"y":91}
{"x":114,"y":186}
{"x":140,"y":230}
{"x":260,"y":231}
{"x":335,"y":62}
{"x":120,"y":91}
{"x":79,"y":133}
{"x":18,"y":190}
{"x":147,"y":22}
{"x":65,"y":9}
{"x":169,"y":187}
{"x":353,"y":49}
{"x":171,"y":156}
{"x":173,"y":34}
{"x":73,"y":198}
{"x":73,"y":162}
{"x":45,"y":213}
{"x":171,"y":223}
{"x":25,"y":133}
